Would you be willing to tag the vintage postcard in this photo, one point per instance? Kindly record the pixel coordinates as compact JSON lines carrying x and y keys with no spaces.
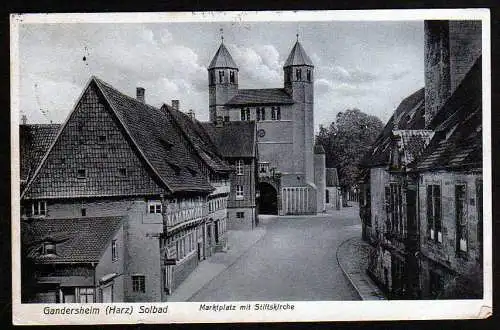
{"x":251,"y":166}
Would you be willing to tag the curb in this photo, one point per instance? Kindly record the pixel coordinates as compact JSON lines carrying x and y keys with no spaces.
{"x":228,"y":266}
{"x":344,"y":271}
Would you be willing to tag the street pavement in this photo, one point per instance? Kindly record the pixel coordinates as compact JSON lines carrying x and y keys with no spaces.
{"x":294,"y":260}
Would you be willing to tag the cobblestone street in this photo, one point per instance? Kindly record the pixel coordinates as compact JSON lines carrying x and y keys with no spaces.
{"x":295,"y":260}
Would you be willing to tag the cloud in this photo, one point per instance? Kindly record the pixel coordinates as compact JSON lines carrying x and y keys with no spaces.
{"x":355,"y":76}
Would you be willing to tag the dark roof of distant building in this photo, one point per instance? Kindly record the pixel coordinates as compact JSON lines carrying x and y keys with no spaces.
{"x":267,"y":96}
{"x":77,"y":240}
{"x":332,"y":178}
{"x":318,"y":149}
{"x":234,"y":139}
{"x":409,"y":115}
{"x":153,"y":136}
{"x":457,"y":142}
{"x":222,"y":59}
{"x":200,"y":139}
{"x":298,"y":56}
{"x":34,"y":141}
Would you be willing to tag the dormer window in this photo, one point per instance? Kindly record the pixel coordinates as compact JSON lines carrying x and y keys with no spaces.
{"x":81,"y":173}
{"x":49,"y":248}
{"x":154,"y":207}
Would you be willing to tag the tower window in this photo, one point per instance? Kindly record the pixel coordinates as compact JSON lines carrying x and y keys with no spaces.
{"x":308,"y":75}
{"x":261,"y":113}
{"x":298,"y":74}
{"x":231,"y":77}
{"x":212,"y":77}
{"x":276,"y":113}
{"x":221,"y":77}
{"x":245,"y":114}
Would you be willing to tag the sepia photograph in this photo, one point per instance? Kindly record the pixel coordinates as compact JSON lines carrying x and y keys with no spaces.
{"x":251,"y":166}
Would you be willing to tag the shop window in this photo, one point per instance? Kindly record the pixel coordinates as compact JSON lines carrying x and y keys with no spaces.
{"x":139,"y":283}
{"x":434,"y":213}
{"x":86,"y":295}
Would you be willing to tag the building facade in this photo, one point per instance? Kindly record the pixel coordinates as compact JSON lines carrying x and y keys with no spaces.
{"x":116,"y":156}
{"x":285,"y":129}
{"x":421,"y":182}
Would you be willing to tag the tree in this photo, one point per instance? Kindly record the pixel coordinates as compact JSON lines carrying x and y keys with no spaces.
{"x":346,"y":141}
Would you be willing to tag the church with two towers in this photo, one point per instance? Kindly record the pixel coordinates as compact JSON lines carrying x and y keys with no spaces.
{"x":291,"y":169}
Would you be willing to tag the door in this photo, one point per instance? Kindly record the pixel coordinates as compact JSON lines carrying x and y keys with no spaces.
{"x":107,"y":294}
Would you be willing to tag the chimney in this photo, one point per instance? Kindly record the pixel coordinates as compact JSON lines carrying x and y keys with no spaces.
{"x":24,"y":119}
{"x":140,"y":94}
{"x":191,"y":114}
{"x":175,"y":104}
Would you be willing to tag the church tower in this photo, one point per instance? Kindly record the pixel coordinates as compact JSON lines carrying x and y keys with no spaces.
{"x":222,"y":82}
{"x":299,"y":83}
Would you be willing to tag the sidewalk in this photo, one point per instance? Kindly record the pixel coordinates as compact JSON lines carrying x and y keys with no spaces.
{"x":352,"y":256}
{"x":239,"y":242}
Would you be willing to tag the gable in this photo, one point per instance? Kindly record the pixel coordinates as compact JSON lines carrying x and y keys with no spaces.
{"x":92,"y":141}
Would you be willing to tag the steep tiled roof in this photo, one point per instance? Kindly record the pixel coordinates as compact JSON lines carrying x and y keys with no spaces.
{"x":261,"y":96}
{"x":77,"y":240}
{"x":409,"y":115}
{"x":150,"y":128}
{"x":222,"y":59}
{"x":457,"y":142}
{"x":200,"y":139}
{"x":332,"y":178}
{"x":298,"y":56}
{"x":34,"y":141}
{"x":234,"y":139}
{"x":412,"y":143}
{"x":148,"y":135}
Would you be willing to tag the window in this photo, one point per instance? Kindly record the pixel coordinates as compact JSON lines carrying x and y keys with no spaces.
{"x":39,"y":208}
{"x":240,"y":215}
{"x":231,"y":76}
{"x":49,"y":248}
{"x":239,"y":192}
{"x":261,"y":114}
{"x":434,"y":213}
{"x":114,"y":250}
{"x":81,"y":174}
{"x":239,"y":167}
{"x":221,"y":77}
{"x":461,"y":217}
{"x":226,"y":118}
{"x":298,"y":74}
{"x":154,"y":207}
{"x":139,"y":283}
{"x":245,"y":114}
{"x":394,"y":208}
{"x":275,"y":113}
{"x":263,"y":168}
{"x":212,"y":77}
{"x":84,"y":212}
{"x":122,"y":171}
{"x":308,"y":74}
{"x":86,"y":295}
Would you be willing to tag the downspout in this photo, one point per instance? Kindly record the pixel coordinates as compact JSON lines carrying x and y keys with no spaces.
{"x":94,"y":265}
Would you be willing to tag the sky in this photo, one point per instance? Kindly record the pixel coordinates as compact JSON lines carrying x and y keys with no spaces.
{"x":371,"y":66}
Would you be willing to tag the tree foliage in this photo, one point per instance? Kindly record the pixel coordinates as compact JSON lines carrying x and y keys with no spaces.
{"x":346,"y":141}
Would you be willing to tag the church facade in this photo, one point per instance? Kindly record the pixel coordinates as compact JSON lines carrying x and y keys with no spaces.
{"x":289,"y":171}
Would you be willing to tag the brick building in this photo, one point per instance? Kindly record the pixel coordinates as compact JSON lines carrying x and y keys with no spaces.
{"x":285,"y":130}
{"x":422,"y":179}
{"x":116,"y":156}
